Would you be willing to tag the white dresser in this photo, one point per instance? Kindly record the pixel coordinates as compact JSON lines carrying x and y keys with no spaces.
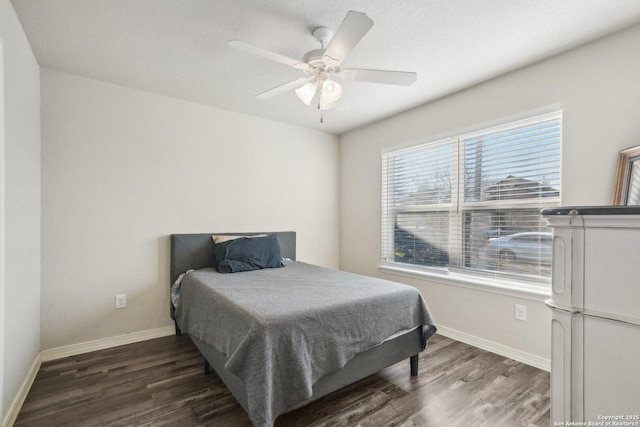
{"x":595,"y":351}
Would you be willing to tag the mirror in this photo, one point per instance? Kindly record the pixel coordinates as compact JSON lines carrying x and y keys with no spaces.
{"x":627,"y":188}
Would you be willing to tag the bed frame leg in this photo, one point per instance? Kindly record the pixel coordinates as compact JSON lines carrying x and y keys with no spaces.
{"x":413,"y":360}
{"x":207,"y":367}
{"x":178,"y":331}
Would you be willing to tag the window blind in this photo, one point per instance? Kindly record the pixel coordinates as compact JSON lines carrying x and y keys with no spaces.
{"x":471,"y":203}
{"x":417,"y":199}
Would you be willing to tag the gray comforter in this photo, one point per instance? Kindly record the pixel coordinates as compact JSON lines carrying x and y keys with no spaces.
{"x":282,"y":329}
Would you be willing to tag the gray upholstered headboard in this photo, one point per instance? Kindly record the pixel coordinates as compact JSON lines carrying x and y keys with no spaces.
{"x":193,"y":251}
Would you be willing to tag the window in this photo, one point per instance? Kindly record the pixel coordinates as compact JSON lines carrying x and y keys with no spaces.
{"x":470,"y":204}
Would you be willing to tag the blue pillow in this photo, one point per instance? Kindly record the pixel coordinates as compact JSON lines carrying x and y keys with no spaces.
{"x":246,"y":254}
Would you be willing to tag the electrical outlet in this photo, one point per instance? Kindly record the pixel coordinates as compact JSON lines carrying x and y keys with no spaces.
{"x":521,"y":312}
{"x":121,"y":301}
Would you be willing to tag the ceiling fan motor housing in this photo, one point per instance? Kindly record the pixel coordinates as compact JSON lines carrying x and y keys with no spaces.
{"x":315,"y":58}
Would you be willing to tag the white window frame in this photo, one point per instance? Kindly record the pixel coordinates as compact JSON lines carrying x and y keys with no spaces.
{"x":501,"y":285}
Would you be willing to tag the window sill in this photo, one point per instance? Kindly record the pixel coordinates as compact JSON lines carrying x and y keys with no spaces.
{"x":496,"y":286}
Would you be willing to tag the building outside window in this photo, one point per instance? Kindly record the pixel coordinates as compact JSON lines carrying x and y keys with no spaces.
{"x":470,"y":204}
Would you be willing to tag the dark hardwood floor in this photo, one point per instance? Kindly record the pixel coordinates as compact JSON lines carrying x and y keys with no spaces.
{"x":161,"y":382}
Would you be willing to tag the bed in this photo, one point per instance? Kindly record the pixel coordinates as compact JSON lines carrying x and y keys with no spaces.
{"x":280,"y":338}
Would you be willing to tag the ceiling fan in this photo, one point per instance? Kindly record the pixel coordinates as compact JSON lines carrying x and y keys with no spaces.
{"x":322,"y":66}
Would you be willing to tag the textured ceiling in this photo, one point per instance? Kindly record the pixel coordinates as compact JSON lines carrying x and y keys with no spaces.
{"x":179,"y":47}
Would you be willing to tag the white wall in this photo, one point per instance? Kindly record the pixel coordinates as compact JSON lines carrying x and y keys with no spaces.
{"x":122,"y":169}
{"x":19,"y":208}
{"x":597,"y":85}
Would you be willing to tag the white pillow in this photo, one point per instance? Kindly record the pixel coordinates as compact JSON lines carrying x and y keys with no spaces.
{"x":224,"y":238}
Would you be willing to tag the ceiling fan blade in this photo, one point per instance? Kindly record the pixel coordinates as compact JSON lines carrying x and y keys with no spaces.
{"x":282,"y":88}
{"x":246,"y":47}
{"x":350,"y":32}
{"x":401,"y":78}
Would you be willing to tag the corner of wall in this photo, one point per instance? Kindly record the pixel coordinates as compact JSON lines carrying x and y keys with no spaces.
{"x":20,"y":211}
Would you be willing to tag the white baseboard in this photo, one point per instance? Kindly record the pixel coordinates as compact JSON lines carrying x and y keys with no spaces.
{"x":101,"y":344}
{"x":16,"y":405}
{"x":494,"y":347}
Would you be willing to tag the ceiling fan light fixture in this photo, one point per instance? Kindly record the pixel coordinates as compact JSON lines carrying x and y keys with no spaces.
{"x":331,"y":91}
{"x":306,"y":92}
